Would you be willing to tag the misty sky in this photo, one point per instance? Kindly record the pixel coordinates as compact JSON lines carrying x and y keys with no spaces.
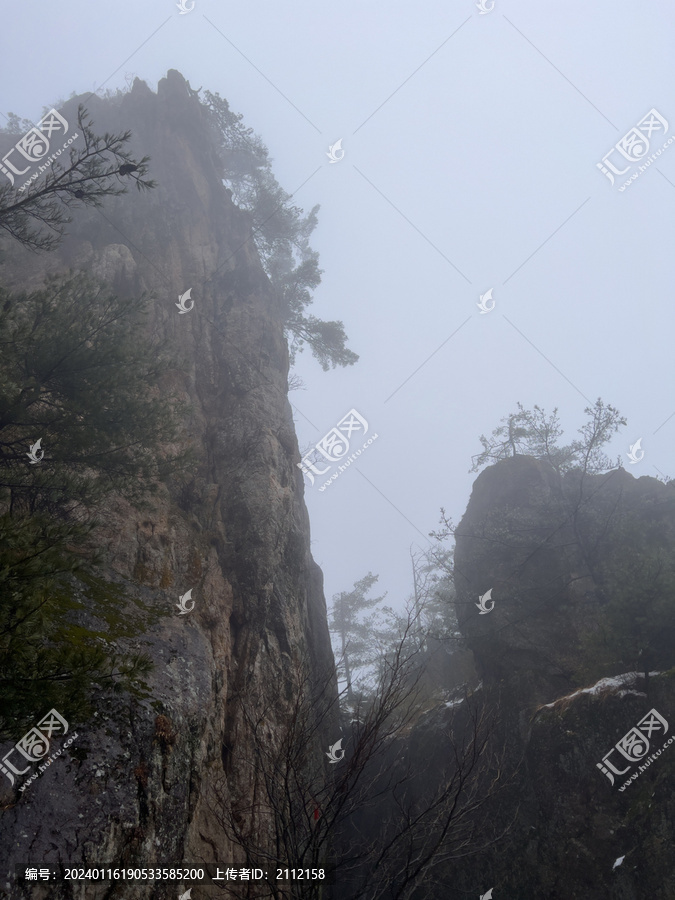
{"x":470,"y":149}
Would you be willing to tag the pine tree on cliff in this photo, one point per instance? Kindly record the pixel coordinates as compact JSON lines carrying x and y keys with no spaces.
{"x":281,"y":233}
{"x":533,"y":433}
{"x":622,"y":544}
{"x":97,"y":167}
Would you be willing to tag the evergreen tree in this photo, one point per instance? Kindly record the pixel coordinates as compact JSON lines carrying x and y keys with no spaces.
{"x":281,"y":234}
{"x":533,"y":433}
{"x":80,"y":420}
{"x":357,"y":633}
{"x":97,"y":167}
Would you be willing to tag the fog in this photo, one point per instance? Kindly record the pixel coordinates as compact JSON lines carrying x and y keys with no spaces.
{"x":471,"y":147}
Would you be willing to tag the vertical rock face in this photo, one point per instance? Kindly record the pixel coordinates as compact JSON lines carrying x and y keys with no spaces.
{"x":548,"y":546}
{"x":555,"y":550}
{"x":136,"y":785}
{"x":515,"y":540}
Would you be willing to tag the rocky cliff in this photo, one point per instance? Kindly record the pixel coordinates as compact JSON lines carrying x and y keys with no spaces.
{"x":569,"y":561}
{"x":137,"y":785}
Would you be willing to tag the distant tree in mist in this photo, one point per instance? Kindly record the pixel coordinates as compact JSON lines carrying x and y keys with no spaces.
{"x":434,"y":591}
{"x":281,"y":233}
{"x":439,"y":648}
{"x":533,"y":433}
{"x":366,"y":632}
{"x":357,"y":634}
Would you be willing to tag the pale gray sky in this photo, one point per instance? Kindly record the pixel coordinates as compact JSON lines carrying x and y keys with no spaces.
{"x":471,"y":144}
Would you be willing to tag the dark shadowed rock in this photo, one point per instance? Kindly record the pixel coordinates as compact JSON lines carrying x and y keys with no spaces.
{"x":550,"y":548}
